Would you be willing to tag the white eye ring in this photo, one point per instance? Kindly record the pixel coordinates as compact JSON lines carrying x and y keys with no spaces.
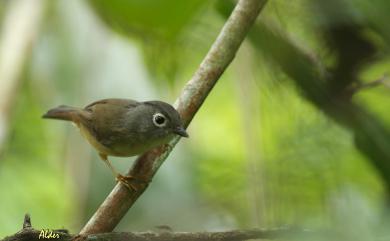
{"x":159,"y":120}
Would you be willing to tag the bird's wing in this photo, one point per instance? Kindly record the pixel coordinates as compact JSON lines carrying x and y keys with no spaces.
{"x":112,"y":102}
{"x":108,"y":118}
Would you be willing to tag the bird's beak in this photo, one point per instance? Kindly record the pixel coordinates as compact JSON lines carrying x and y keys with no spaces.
{"x":180,"y":131}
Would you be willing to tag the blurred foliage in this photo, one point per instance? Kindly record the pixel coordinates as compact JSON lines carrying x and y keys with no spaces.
{"x":156,"y":19}
{"x":3,"y":5}
{"x":266,"y":149}
{"x":159,"y":26}
{"x":30,"y":175}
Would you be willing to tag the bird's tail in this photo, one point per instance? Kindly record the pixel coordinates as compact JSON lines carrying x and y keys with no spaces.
{"x":63,"y":112}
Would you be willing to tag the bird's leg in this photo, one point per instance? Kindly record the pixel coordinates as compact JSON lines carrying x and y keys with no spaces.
{"x":108,"y":163}
{"x":119,"y":177}
{"x":127,"y":180}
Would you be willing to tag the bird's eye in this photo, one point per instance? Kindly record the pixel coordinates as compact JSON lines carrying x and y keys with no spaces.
{"x":159,"y":120}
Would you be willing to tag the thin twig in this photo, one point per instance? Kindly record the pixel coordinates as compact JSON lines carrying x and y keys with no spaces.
{"x":193,"y":95}
{"x":381,"y":81}
{"x":27,"y":221}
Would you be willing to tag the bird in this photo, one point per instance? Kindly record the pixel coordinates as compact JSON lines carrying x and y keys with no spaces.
{"x":123,"y":127}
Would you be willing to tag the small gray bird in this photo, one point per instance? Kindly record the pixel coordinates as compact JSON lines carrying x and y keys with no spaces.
{"x":123,"y":127}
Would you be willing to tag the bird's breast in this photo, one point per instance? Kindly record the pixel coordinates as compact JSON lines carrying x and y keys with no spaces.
{"x":93,"y":141}
{"x":119,"y":147}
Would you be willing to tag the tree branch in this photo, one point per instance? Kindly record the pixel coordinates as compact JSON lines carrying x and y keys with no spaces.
{"x":362,"y":86}
{"x":194,"y":93}
{"x":29,"y":234}
{"x":233,"y":235}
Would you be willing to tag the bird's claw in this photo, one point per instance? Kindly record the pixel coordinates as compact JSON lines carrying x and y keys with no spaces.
{"x":130,"y":181}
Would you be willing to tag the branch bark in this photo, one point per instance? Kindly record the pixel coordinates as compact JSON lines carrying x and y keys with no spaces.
{"x":29,"y":234}
{"x":233,"y":235}
{"x":193,"y":95}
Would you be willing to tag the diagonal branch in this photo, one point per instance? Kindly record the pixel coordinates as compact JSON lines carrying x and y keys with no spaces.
{"x":194,"y":93}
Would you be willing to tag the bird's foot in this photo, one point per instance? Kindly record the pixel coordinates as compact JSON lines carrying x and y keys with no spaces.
{"x":131,"y":182}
